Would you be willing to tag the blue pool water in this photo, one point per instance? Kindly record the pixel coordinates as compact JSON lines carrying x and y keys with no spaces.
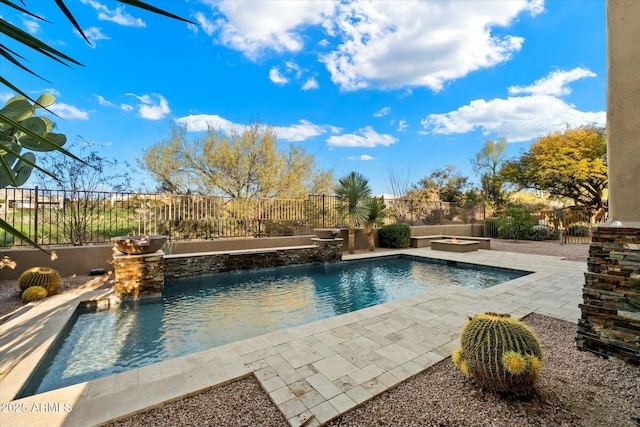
{"x":200,"y":313}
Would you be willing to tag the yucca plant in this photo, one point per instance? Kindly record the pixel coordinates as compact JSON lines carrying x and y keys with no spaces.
{"x":500,"y":353}
{"x":375,"y":218}
{"x":353,"y":194}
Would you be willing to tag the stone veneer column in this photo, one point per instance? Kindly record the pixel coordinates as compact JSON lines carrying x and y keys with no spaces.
{"x":330,"y":250}
{"x":139,"y":276}
{"x":610,"y":321}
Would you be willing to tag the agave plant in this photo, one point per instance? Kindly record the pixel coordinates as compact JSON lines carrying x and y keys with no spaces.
{"x":375,"y":218}
{"x":353,"y":194}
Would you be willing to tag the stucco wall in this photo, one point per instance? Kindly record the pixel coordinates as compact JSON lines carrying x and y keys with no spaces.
{"x":623,"y":107}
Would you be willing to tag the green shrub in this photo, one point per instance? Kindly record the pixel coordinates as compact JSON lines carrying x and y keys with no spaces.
{"x":540,"y":232}
{"x":500,"y":353}
{"x":33,"y":293}
{"x":46,"y":277}
{"x":515,"y":223}
{"x":578,"y":229}
{"x":491,"y":227}
{"x":395,"y":236}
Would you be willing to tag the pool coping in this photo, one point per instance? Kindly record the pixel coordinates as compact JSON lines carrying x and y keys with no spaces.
{"x":308,"y":370}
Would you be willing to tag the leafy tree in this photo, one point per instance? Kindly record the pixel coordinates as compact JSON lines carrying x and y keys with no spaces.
{"x":446,"y":184}
{"x":353,"y":194}
{"x":399,"y":185}
{"x":567,"y":164}
{"x":241,"y":165}
{"x":375,"y":218}
{"x":81,"y":183}
{"x":487,"y":162}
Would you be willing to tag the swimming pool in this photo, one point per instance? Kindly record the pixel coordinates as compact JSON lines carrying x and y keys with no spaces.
{"x":201,"y":313}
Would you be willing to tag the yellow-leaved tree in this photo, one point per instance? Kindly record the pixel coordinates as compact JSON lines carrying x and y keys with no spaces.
{"x":569,"y":164}
{"x":242,"y":164}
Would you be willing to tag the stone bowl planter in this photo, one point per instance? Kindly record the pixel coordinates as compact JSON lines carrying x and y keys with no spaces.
{"x":137,"y":245}
{"x":326,"y":233}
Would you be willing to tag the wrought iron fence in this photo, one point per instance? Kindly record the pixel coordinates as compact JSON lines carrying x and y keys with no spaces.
{"x":573,"y":224}
{"x":65,"y":217}
{"x":568,"y":225}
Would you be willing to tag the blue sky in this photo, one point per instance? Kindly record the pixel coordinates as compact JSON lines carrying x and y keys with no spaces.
{"x":365,"y":86}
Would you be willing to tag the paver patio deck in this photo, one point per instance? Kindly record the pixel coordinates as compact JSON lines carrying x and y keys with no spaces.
{"x":323,"y":368}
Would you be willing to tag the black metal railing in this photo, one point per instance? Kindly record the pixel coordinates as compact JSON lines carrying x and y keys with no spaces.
{"x":68,"y":217}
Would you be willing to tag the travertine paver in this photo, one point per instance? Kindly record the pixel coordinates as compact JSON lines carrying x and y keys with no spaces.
{"x":312,"y":372}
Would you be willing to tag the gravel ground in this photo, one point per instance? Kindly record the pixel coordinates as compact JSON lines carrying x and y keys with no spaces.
{"x":574,"y":389}
{"x":10,"y":301}
{"x":241,"y":403}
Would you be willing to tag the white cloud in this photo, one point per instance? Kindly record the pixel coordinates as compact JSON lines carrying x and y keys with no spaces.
{"x":295,"y":68}
{"x":311,"y":83}
{"x":428,"y":43}
{"x":94,"y":34}
{"x":116,"y":15}
{"x":382,"y":112}
{"x":51,"y":90}
{"x":253,"y":27}
{"x":554,"y":84}
{"x":67,"y":111}
{"x":276,"y":77}
{"x":126,"y":107}
{"x":299,"y":132}
{"x":402,"y":125}
{"x":377,"y":44}
{"x":519,"y":118}
{"x":32,"y":27}
{"x":152,"y":107}
{"x":202,"y":122}
{"x":365,"y":137}
{"x":292,"y":73}
{"x":209,"y":27}
{"x":407,"y":92}
{"x":103,"y":101}
{"x":364,"y":157}
{"x":293,"y":133}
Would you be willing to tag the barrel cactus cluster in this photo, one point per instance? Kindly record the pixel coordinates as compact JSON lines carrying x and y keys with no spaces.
{"x":500,"y":353}
{"x":38,"y":277}
{"x":33,"y":293}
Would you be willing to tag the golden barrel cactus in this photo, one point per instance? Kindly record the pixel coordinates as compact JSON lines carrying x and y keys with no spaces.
{"x":33,"y":293}
{"x":500,"y":353}
{"x":45,"y":277}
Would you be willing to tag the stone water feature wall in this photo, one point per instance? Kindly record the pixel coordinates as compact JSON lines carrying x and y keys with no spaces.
{"x":209,"y":263}
{"x":610,"y":321}
{"x":138,"y":275}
